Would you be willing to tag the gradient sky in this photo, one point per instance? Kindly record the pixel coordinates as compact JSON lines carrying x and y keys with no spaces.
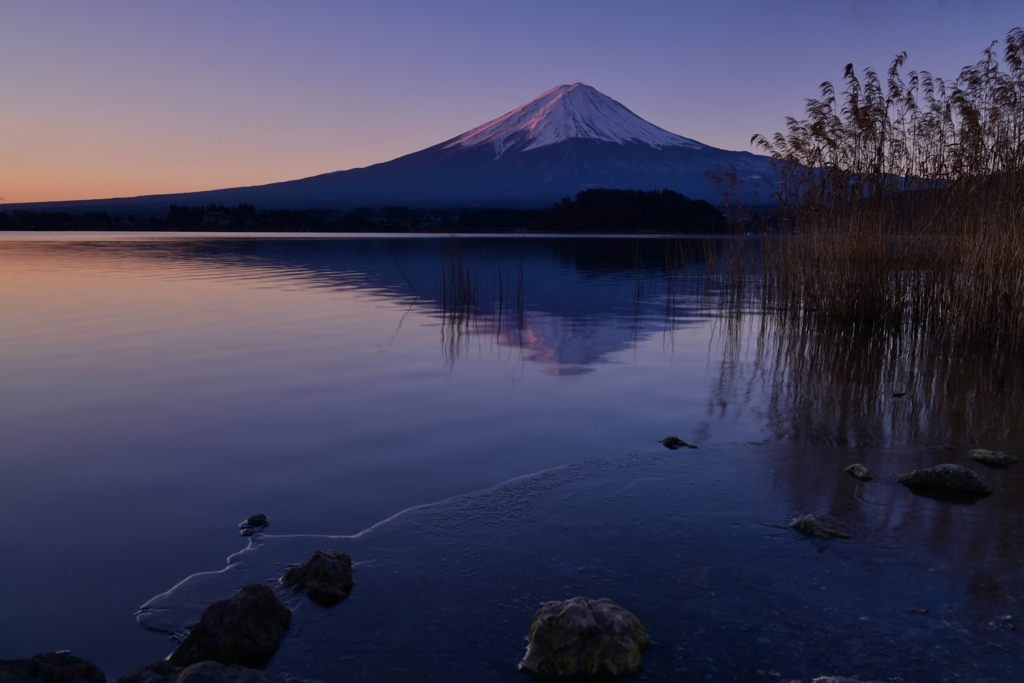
{"x":113,"y":98}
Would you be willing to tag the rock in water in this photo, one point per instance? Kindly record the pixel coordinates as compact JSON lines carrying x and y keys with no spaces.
{"x":834,"y":679}
{"x":157,"y":672}
{"x":326,"y":577}
{"x":859,"y":471}
{"x":203,"y":672}
{"x":256,"y":521}
{"x":253,"y":523}
{"x":674,"y":442}
{"x":243,"y":630}
{"x":946,"y":477}
{"x":815,"y":525}
{"x":212,"y":672}
{"x":583,"y":636}
{"x":50,"y":667}
{"x":992,"y":458}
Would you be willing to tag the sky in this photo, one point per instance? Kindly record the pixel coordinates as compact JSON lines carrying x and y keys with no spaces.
{"x":118,"y":98}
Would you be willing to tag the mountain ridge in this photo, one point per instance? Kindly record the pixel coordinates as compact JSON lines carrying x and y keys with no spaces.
{"x":569,"y":139}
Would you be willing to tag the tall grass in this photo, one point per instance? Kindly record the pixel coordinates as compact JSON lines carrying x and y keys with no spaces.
{"x":901,"y":202}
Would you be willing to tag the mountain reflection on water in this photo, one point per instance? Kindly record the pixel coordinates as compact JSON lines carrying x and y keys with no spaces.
{"x":571,"y":303}
{"x":334,"y":382}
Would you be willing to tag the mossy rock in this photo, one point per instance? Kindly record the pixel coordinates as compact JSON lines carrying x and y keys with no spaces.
{"x":584,"y":637}
{"x":992,"y":458}
{"x":946,"y":477}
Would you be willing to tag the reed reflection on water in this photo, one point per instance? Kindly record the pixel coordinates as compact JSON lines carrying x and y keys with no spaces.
{"x":472,"y":304}
{"x":810,"y":382}
{"x":861,"y":386}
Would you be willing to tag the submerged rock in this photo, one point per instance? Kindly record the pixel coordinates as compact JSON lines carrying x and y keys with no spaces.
{"x":326,"y":577}
{"x":815,"y":525}
{"x":674,"y":442}
{"x":50,"y":667}
{"x":242,"y":630}
{"x":859,"y":471}
{"x":946,"y":477}
{"x":202,"y":672}
{"x":584,"y":636}
{"x":992,"y":458}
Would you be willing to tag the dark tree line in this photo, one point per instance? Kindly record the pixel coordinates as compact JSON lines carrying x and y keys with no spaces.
{"x":61,"y":220}
{"x":214,"y":214}
{"x":604,"y":211}
{"x":631,"y":211}
{"x":497,"y":220}
{"x":246,"y":217}
{"x":592,"y":211}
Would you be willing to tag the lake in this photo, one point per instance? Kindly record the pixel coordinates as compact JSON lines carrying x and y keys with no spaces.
{"x":476,"y":421}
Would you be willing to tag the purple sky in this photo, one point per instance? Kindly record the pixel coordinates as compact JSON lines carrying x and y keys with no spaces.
{"x":111,"y":98}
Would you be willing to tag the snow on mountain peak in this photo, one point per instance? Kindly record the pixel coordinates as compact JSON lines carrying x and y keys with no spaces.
{"x":569,"y":111}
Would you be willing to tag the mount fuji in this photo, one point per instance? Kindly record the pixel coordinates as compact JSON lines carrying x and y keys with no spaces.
{"x":569,"y":139}
{"x":568,"y":112}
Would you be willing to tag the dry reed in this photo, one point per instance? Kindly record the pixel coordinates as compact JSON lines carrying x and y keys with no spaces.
{"x":901,"y":203}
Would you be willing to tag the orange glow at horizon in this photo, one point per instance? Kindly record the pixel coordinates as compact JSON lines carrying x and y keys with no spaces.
{"x":47,"y":164}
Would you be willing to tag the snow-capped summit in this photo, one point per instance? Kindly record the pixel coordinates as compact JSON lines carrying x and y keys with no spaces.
{"x":569,"y":111}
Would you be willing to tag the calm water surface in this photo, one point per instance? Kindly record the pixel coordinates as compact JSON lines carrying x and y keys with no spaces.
{"x":155,"y":391}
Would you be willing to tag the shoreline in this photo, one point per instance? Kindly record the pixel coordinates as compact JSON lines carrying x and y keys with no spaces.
{"x":495,"y":554}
